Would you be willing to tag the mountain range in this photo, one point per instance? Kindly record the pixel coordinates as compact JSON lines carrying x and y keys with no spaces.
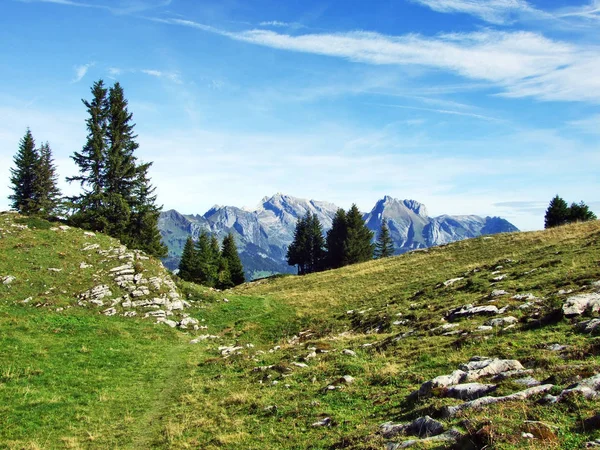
{"x":263,"y":235}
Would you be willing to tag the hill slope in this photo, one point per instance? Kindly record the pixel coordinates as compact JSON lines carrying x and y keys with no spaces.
{"x":321,"y":361}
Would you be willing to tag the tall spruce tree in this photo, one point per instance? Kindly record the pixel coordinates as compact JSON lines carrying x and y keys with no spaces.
{"x":384,"y":246}
{"x":307,"y":249}
{"x":297,"y":250}
{"x":118,"y":198}
{"x":336,"y":240}
{"x":230,"y":255}
{"x":557,"y":213}
{"x":23,"y":176}
{"x":359,"y":246}
{"x":47,"y":192}
{"x":88,"y":207}
{"x":206,"y":270}
{"x":187,"y":264}
{"x":143,"y":232}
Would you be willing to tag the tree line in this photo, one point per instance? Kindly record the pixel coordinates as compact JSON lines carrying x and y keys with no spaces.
{"x":117,"y":197}
{"x":560,"y":213}
{"x":206,"y":263}
{"x":349,"y":241}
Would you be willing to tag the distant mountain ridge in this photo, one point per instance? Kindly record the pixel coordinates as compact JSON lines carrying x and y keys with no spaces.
{"x":263,"y":235}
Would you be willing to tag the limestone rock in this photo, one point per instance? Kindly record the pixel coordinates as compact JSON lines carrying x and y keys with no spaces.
{"x":348,"y":352}
{"x":8,"y":279}
{"x":109,"y":312}
{"x":589,"y":326}
{"x":469,"y":391}
{"x":498,"y":293}
{"x":470,"y":310}
{"x":578,"y":304}
{"x":502,"y":321}
{"x":421,"y":427}
{"x":450,"y":411}
{"x":480,"y":367}
{"x":452,"y":281}
{"x":443,"y":381}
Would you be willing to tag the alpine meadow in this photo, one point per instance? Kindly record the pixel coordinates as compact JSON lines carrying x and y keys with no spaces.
{"x":326,"y":224}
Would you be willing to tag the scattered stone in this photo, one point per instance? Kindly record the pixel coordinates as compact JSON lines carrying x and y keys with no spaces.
{"x":27,"y":300}
{"x":450,"y":411}
{"x":512,"y":374}
{"x":443,"y":381}
{"x":578,"y":304}
{"x":226,"y":300}
{"x":96,"y":293}
{"x":348,"y":352}
{"x":527,"y":297}
{"x":565,"y":291}
{"x":528,"y":381}
{"x":202,"y":338}
{"x":54,"y":269}
{"x":299,"y":364}
{"x":7,"y":279}
{"x":556,"y":347}
{"x":87,"y":248}
{"x":541,"y":430}
{"x":587,"y":388}
{"x":326,"y":422}
{"x":593,"y":444}
{"x":484,"y":328}
{"x":480,"y":367}
{"x":449,"y":437}
{"x":470,"y":310}
{"x":176,"y":305}
{"x":109,"y":312}
{"x":229,"y":350}
{"x":469,"y":391}
{"x":527,"y":436}
{"x":421,"y":427}
{"x":89,"y":234}
{"x":130,"y":314}
{"x":188,"y":321}
{"x":498,"y":293}
{"x":499,"y":278}
{"x":502,"y":321}
{"x":168,"y":322}
{"x":452,"y":281}
{"x":589,"y":326}
{"x":84,"y":265}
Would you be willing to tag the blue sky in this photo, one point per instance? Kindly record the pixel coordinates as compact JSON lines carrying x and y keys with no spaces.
{"x":471,"y":107}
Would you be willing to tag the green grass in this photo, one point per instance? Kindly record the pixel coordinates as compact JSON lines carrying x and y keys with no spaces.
{"x":76,"y":379}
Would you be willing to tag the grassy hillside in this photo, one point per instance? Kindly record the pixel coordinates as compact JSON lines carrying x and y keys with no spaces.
{"x":320,"y":361}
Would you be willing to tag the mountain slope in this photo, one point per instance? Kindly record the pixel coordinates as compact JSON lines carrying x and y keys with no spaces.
{"x":263,"y":235}
{"x":325,"y":359}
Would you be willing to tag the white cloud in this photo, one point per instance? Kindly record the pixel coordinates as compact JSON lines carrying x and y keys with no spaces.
{"x":442,"y":111}
{"x":493,"y":11}
{"x":81,"y":71}
{"x":523,"y":64}
{"x":119,"y":6}
{"x":589,"y":125}
{"x":587,"y":12}
{"x":114,"y":71}
{"x":171,"y":76}
{"x":274,"y":23}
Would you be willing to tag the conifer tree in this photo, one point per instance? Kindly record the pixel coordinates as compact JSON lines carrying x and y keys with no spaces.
{"x":336,"y":240}
{"x":297,"y":250}
{"x":143,"y":232}
{"x":188,"y":260}
{"x":206,"y":272}
{"x":316,"y":244}
{"x":47,"y":193}
{"x":384,"y":246}
{"x":557,"y":213}
{"x":229,"y":253}
{"x":88,"y":207}
{"x":307,"y":249}
{"x":23,"y":176}
{"x":580,"y":212}
{"x":359,"y":247}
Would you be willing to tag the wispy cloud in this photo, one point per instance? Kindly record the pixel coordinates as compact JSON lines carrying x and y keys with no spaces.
{"x":274,"y":23}
{"x":81,"y":71}
{"x":442,"y":111}
{"x":521,"y":63}
{"x":171,"y":76}
{"x":590,"y":11}
{"x":118,"y":7}
{"x":589,"y":125}
{"x":492,"y":11}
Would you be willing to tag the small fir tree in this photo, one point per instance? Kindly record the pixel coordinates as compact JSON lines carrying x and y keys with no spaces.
{"x":336,"y":240}
{"x":316,"y":244}
{"x":47,"y":191}
{"x":557,"y":213}
{"x":187,"y":263}
{"x":359,"y":246}
{"x":384,"y":246}
{"x":23,"y":176}
{"x":230,"y":255}
{"x":580,"y":212}
{"x":88,"y":207}
{"x":297,"y":250}
{"x":206,"y":271}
